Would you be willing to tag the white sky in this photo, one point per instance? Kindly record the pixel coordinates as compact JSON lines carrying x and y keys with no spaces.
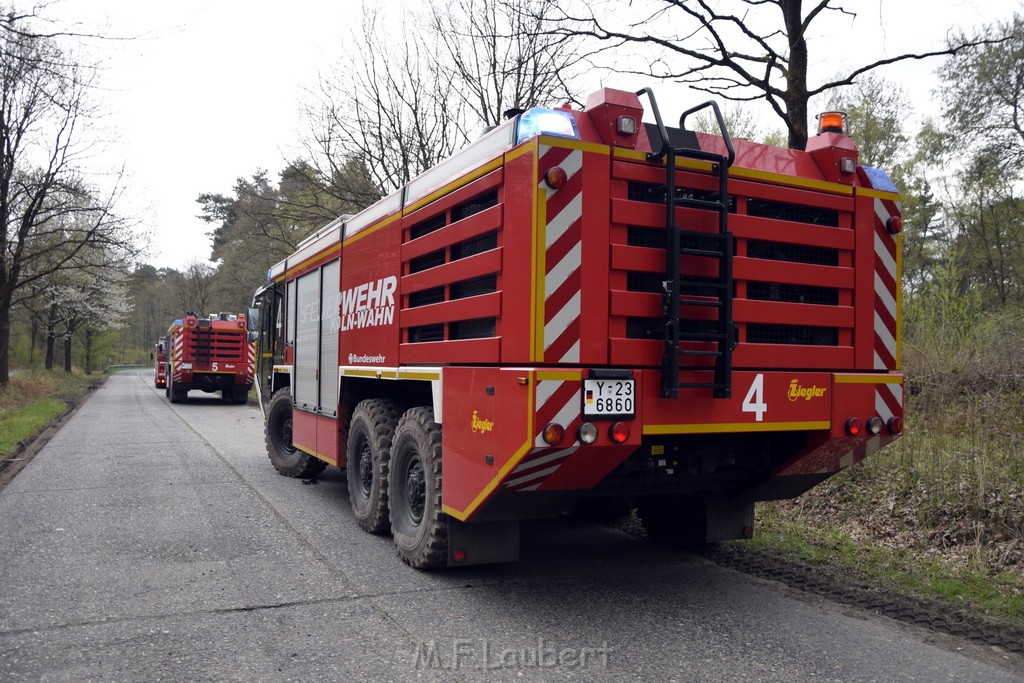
{"x":210,"y":91}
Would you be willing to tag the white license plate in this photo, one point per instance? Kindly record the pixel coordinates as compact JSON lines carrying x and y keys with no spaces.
{"x":609,"y":398}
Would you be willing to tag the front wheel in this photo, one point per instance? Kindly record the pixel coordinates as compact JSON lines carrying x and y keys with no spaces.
{"x":286,"y":458}
{"x":419,"y":527}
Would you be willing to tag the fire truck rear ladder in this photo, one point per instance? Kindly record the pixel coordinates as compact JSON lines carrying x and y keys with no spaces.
{"x":677,"y":289}
{"x":203,"y":341}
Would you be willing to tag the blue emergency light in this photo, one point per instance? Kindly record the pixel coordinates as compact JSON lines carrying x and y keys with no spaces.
{"x":538,"y":121}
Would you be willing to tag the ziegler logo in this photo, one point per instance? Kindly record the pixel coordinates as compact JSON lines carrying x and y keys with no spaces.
{"x":797,"y":392}
{"x":480,"y":425}
{"x":368,"y":305}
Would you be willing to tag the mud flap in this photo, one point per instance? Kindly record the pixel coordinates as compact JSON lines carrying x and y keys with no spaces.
{"x":728,"y":520}
{"x":482,"y":542}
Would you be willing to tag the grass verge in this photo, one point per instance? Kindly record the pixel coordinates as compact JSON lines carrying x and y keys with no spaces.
{"x":951,"y":586}
{"x":33,"y":400}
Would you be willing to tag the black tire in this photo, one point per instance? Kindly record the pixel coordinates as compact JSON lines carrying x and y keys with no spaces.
{"x":175,"y":393}
{"x":369,"y":455}
{"x":419,"y":527}
{"x":277,"y":431}
{"x":676,"y":520}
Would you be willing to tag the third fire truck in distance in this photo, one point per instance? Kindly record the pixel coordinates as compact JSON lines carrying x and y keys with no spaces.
{"x":160,"y":352}
{"x":210,"y":354}
{"x":583,"y":306}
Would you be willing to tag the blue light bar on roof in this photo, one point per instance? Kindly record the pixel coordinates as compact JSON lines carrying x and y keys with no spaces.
{"x":537,"y":121}
{"x":879,"y":179}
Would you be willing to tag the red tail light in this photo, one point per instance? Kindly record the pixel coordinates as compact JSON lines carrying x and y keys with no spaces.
{"x":619,"y":432}
{"x":853,"y":426}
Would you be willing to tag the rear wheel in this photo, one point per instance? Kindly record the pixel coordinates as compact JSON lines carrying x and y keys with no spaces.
{"x":287,"y":459}
{"x":369,"y":454}
{"x":176,"y":393}
{"x":418,"y":525}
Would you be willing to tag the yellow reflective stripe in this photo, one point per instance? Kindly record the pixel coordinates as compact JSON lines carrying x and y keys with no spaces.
{"x":326,"y":254}
{"x":880,"y":194}
{"x":454,"y":185}
{"x":869,"y":379}
{"x":563,"y":376}
{"x":736,"y":427}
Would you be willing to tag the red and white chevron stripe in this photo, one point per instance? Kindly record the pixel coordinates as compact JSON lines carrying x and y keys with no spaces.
{"x":885,"y":287}
{"x":889,"y":401}
{"x":250,"y":373}
{"x":557,"y":401}
{"x":563,"y":257}
{"x":177,"y":350}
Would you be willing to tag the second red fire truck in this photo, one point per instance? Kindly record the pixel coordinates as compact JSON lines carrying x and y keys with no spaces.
{"x":584,"y":306}
{"x":209,"y":354}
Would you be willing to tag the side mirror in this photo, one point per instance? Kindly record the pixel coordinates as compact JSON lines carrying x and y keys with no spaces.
{"x":252,"y":336}
{"x":252,"y":320}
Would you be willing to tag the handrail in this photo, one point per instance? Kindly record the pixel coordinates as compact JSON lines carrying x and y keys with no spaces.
{"x":721,"y":127}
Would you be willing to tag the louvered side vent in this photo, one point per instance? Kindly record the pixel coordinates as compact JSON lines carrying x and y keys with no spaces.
{"x":452,"y":265}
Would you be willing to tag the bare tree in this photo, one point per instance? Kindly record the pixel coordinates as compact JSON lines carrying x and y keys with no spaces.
{"x":741,"y":50}
{"x":497,"y":53}
{"x":195,"y":288}
{"x":386,"y":106}
{"x":50,"y":219}
{"x":409,"y":95}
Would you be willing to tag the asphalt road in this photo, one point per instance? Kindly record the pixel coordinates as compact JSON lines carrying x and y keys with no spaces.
{"x":153,"y":542}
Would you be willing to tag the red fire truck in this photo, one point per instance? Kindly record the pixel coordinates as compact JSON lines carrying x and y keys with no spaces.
{"x":582,"y":306}
{"x":160,"y":352}
{"x":210,"y":354}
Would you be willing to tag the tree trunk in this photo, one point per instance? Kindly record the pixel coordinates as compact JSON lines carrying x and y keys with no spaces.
{"x":5,"y":345}
{"x":796,"y":75}
{"x":67,"y":352}
{"x":51,"y":340}
{"x":33,"y":334}
{"x":88,"y":351}
{"x":50,"y":343}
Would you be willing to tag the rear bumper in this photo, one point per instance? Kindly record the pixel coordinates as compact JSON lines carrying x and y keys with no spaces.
{"x":495,"y":418}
